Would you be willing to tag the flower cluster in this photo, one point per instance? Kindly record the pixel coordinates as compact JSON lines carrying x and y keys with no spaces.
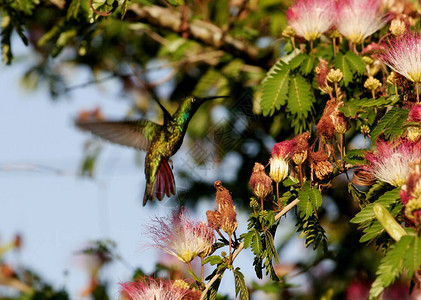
{"x":390,"y":162}
{"x":310,"y":19}
{"x":411,"y":194}
{"x":182,"y":237}
{"x":354,"y":19}
{"x":358,"y":19}
{"x":148,"y":288}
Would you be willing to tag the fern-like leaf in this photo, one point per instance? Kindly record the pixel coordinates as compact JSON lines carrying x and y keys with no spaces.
{"x":307,"y":65}
{"x":275,"y":91}
{"x":300,"y":99}
{"x":341,"y":63}
{"x":355,"y":62}
{"x":390,"y":266}
{"x":391,"y":124}
{"x":240,"y":285}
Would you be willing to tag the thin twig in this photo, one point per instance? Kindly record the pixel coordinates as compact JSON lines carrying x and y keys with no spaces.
{"x":241,"y":247}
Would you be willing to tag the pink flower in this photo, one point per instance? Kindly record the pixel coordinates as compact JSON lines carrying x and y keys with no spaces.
{"x":148,"y":288}
{"x":403,"y":55}
{"x":358,"y":19}
{"x":311,"y":18}
{"x":279,"y":162}
{"x":390,"y":162}
{"x":411,"y":193}
{"x":415,"y":114}
{"x":181,"y":237}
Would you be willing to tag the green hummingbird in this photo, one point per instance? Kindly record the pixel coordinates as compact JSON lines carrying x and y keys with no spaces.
{"x":159,"y":141}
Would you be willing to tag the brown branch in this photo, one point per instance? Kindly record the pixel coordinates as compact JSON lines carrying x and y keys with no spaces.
{"x":202,"y":31}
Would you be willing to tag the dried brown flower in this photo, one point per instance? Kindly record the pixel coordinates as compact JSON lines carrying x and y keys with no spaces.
{"x":260,"y":183}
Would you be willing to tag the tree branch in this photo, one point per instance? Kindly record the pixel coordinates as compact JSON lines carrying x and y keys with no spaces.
{"x":199,"y":30}
{"x":241,"y":247}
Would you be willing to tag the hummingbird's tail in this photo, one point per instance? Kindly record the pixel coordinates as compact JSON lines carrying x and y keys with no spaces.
{"x":164,"y":184}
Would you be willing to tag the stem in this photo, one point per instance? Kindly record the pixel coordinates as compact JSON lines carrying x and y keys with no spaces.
{"x":311,"y":46}
{"x":293,"y":43}
{"x":334,"y":46}
{"x":396,"y":89}
{"x":261,"y":202}
{"x":241,"y":247}
{"x":300,"y":173}
{"x":277,"y":195}
{"x":341,"y":147}
{"x":417,"y":91}
{"x":230,"y":261}
{"x":202,"y":270}
{"x":373,"y":94}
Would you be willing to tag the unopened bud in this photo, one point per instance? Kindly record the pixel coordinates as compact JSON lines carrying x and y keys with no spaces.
{"x":334,"y":34}
{"x":368,"y":60}
{"x":391,"y":79}
{"x":413,"y":133}
{"x":254,"y":203}
{"x":180,"y":284}
{"x":288,"y":32}
{"x":372,"y":83}
{"x":340,"y":122}
{"x":260,"y":183}
{"x":279,"y":169}
{"x":365,"y":130}
{"x":397,"y":27}
{"x":335,"y":75}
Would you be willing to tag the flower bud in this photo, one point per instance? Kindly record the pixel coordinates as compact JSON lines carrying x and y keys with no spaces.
{"x":288,"y":32}
{"x":372,"y":84}
{"x":365,"y":130}
{"x":335,"y":75}
{"x":260,"y":183}
{"x":340,"y":122}
{"x":391,"y":79}
{"x":279,"y":169}
{"x":397,"y":27}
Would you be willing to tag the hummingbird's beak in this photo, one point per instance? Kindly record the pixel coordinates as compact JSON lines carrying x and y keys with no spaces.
{"x":214,"y":97}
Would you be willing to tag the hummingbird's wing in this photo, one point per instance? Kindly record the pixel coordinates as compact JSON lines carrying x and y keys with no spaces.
{"x":137,"y":134}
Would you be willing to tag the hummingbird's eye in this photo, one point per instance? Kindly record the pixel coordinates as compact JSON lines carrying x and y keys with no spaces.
{"x":194,"y":99}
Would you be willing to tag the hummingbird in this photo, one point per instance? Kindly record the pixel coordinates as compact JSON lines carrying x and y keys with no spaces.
{"x":159,"y":141}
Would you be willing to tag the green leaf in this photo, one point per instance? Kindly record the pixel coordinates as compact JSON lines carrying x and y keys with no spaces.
{"x":314,"y":233}
{"x":307,"y":66}
{"x":248,"y":237}
{"x":342,"y":64}
{"x":367,"y":214}
{"x":305,"y":205}
{"x":300,"y":100}
{"x":6,"y":34}
{"x":412,"y":260}
{"x":256,"y":245}
{"x":355,"y":62}
{"x":124,"y":7}
{"x":316,"y":197}
{"x":349,"y":109}
{"x":213,"y":260}
{"x":213,"y":291}
{"x":275,"y":91}
{"x":355,"y":157}
{"x":391,"y":266}
{"x":378,"y":189}
{"x":390,"y":124}
{"x":73,"y":9}
{"x":297,"y":61}
{"x":240,"y":285}
{"x":271,"y":246}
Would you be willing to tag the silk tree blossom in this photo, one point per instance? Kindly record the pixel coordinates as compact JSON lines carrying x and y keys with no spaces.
{"x":279,"y":161}
{"x":358,"y":19}
{"x":411,"y":194}
{"x":403,"y":55}
{"x":148,"y":288}
{"x":390,"y":162}
{"x":311,"y":18}
{"x":182,"y":237}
